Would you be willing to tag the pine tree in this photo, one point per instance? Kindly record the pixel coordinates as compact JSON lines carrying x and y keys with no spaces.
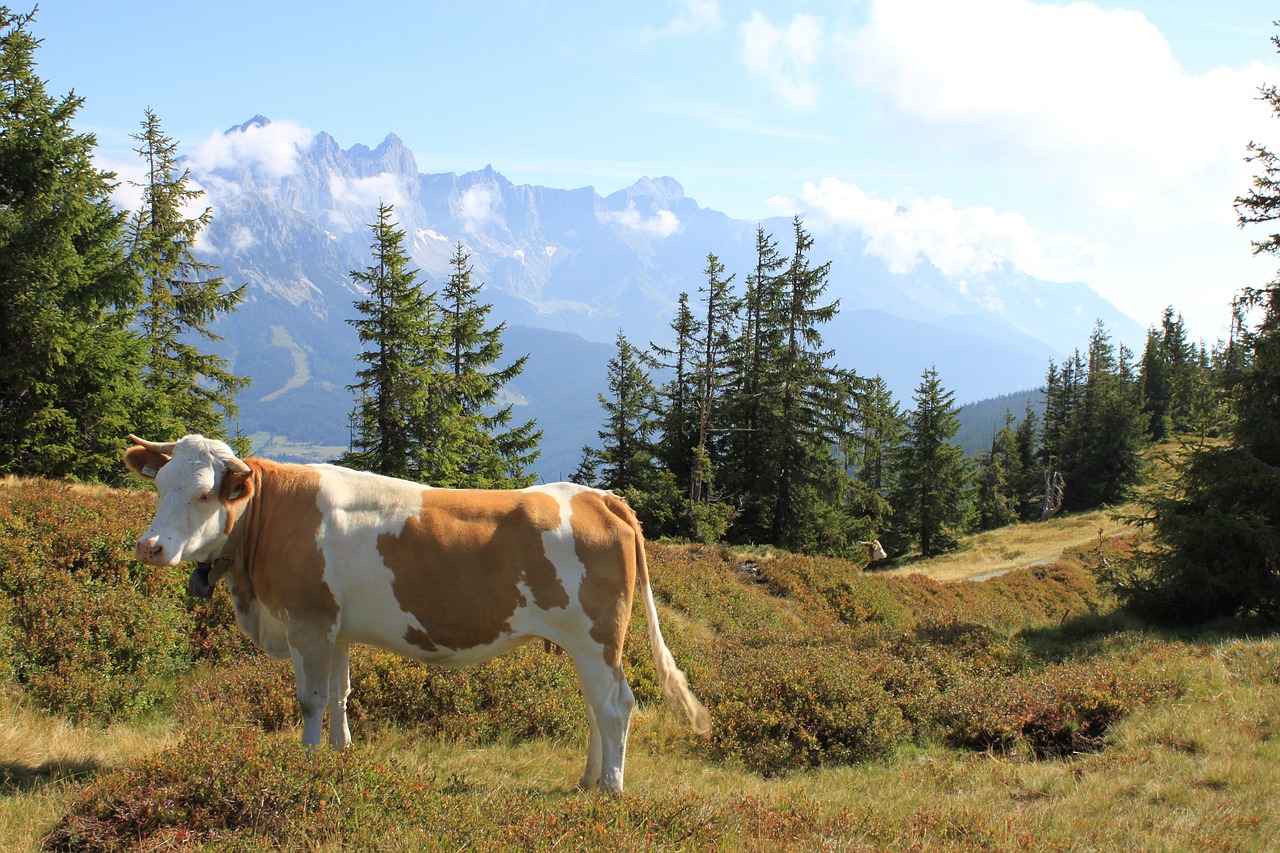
{"x":189,"y":390}
{"x":625,"y":459}
{"x":492,"y":454}
{"x":999,"y":472}
{"x":677,"y":419}
{"x":752,"y":452}
{"x":401,"y":415}
{"x":70,"y":386}
{"x":1217,"y":525}
{"x":1108,"y":430}
{"x":869,"y":445}
{"x":809,"y":401}
{"x":930,"y":502}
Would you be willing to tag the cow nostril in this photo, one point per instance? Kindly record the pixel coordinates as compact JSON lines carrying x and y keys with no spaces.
{"x":148,"y":551}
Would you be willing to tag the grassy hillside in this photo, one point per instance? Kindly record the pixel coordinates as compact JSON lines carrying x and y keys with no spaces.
{"x":852,"y":711}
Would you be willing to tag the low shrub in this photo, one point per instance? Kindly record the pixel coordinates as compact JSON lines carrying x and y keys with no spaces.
{"x":91,"y":633}
{"x":794,"y":707}
{"x":250,"y":691}
{"x":1058,"y":711}
{"x":223,"y":784}
{"x":238,"y":790}
{"x":525,"y":694}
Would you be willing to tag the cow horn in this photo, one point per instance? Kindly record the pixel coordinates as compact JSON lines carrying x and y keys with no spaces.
{"x":165,"y":447}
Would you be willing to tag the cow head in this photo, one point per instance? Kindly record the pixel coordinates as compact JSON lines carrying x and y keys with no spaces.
{"x":201,"y":485}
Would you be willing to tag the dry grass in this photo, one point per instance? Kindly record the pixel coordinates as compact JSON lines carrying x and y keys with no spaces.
{"x":42,"y":756}
{"x":1199,"y":773}
{"x":1015,"y":547}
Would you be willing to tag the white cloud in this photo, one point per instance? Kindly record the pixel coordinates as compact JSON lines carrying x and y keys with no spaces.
{"x":477,"y":206}
{"x":961,"y":242}
{"x":129,"y":175}
{"x":662,"y":224}
{"x":1093,"y":100}
{"x":242,"y":238}
{"x":784,"y":58}
{"x":383,"y":188}
{"x":271,"y":149}
{"x":691,"y":18}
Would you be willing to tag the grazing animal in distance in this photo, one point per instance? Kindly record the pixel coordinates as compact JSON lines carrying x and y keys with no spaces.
{"x":318,"y":557}
{"x":874,"y":550}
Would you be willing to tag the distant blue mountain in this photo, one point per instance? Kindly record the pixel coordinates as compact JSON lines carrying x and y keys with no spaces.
{"x":566,"y":269}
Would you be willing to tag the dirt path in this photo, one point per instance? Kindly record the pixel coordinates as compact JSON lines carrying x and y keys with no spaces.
{"x":1015,"y":547}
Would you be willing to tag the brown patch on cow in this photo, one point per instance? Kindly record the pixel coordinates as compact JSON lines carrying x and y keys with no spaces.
{"x":279,"y":560}
{"x":459,"y":562}
{"x":604,"y":540}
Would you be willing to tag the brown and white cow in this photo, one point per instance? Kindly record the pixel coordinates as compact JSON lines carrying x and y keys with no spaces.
{"x":319,"y":557}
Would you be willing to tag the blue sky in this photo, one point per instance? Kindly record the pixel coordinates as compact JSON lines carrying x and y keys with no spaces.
{"x":1100,"y":142}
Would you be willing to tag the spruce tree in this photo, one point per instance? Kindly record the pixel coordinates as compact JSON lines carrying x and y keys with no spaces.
{"x":996,"y":502}
{"x":188,"y":390}
{"x":1169,"y":368}
{"x":1108,"y":427}
{"x":1029,"y":486}
{"x":677,"y":398}
{"x":1093,"y":424}
{"x":869,"y":445}
{"x":70,"y":365}
{"x":1217,"y":524}
{"x":931,"y":504}
{"x":491,"y":453}
{"x":809,"y":400}
{"x":399,"y":423}
{"x":625,"y":458}
{"x":751,"y":466}
{"x":626,"y":462}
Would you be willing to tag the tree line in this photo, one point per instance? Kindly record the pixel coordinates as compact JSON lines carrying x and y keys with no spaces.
{"x":744,"y":429}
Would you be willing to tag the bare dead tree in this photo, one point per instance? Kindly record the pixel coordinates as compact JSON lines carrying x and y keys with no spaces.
{"x":1054,"y":487}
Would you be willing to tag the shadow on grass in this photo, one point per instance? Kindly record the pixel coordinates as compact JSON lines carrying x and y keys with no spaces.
{"x":17,"y":776}
{"x":1088,"y":633}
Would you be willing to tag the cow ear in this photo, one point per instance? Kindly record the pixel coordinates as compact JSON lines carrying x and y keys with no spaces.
{"x":236,"y":486}
{"x":144,"y":462}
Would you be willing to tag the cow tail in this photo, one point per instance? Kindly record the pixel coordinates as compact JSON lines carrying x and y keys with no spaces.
{"x":672,"y":680}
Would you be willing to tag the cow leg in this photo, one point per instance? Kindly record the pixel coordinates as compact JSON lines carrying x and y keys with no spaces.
{"x":311,"y":666}
{"x":609,"y":704}
{"x":591,"y":775}
{"x":339,"y":690}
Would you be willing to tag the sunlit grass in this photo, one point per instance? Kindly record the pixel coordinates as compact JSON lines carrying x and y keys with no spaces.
{"x":1016,"y":546}
{"x":43,"y":756}
{"x":1199,"y":772}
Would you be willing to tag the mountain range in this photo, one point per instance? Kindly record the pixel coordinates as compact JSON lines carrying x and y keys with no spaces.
{"x":566,"y":269}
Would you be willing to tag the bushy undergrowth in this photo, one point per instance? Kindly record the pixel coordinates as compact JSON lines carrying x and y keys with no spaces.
{"x":803,"y":662}
{"x":230,"y":789}
{"x":86,"y":629}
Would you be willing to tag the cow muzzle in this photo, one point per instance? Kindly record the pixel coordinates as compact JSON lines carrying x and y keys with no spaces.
{"x":150,"y":552}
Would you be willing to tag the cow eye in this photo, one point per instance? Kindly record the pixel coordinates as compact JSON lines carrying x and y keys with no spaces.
{"x":204,"y":498}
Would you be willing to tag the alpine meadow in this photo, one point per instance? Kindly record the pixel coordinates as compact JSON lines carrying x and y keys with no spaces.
{"x":1026,"y":611}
